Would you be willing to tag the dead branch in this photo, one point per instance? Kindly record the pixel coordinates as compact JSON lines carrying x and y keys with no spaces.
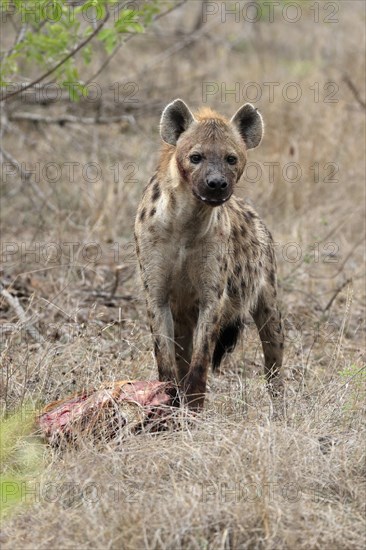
{"x":117,"y":278}
{"x":63,"y":119}
{"x":355,"y":91}
{"x":13,"y":302}
{"x":176,"y":47}
{"x":338,"y":290}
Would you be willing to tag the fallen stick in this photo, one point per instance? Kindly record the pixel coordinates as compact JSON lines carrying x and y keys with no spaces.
{"x":13,"y":302}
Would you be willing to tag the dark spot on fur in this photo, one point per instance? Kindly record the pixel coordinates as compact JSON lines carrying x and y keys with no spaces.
{"x":156,"y":192}
{"x":248,"y":216}
{"x":152,"y":212}
{"x":142,"y":215}
{"x":237,"y":270}
{"x":205,"y":348}
{"x":281,"y":345}
{"x":156,"y":346}
{"x":272,"y":277}
{"x":231,"y":287}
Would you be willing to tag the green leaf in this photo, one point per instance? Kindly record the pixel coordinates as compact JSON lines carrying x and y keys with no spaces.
{"x":87,"y":54}
{"x":109,"y":37}
{"x":128,"y":22}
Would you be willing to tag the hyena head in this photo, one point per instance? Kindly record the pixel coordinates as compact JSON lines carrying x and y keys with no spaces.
{"x":210,"y":151}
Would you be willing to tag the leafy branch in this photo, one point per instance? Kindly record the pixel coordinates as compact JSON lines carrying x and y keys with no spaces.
{"x":58,"y":65}
{"x":49,"y":33}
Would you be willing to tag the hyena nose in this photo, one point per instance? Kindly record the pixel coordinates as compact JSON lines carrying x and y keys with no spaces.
{"x":216,"y":183}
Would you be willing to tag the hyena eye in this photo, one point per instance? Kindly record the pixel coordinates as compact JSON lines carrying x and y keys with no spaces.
{"x":195,"y":158}
{"x":230,"y":159}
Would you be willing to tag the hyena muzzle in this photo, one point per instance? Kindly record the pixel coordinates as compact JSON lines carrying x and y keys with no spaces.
{"x":206,"y":259}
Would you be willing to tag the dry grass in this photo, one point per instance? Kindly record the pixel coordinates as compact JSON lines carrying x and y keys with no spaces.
{"x":238,"y":476}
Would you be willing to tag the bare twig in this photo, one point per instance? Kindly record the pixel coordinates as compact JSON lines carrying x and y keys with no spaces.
{"x":338,"y":290}
{"x":117,"y":278}
{"x":117,"y":48}
{"x":177,"y":47}
{"x":13,"y":302}
{"x":354,"y":90}
{"x":63,"y":119}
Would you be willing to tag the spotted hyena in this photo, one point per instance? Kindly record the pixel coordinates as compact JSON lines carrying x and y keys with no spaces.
{"x":206,"y":258}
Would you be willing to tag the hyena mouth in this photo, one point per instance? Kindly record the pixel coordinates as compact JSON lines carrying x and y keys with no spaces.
{"x":210,"y":201}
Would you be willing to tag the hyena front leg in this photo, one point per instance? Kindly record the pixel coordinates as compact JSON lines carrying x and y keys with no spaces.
{"x":156,"y":284}
{"x":267,"y":318}
{"x":194,"y":384}
{"x":183,"y":347}
{"x":162,"y":328}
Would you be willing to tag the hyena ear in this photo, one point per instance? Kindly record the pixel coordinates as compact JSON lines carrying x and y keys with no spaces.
{"x":250,"y":125}
{"x":174,"y":121}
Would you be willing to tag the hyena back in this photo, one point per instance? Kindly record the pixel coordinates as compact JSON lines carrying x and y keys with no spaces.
{"x":206,"y":259}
